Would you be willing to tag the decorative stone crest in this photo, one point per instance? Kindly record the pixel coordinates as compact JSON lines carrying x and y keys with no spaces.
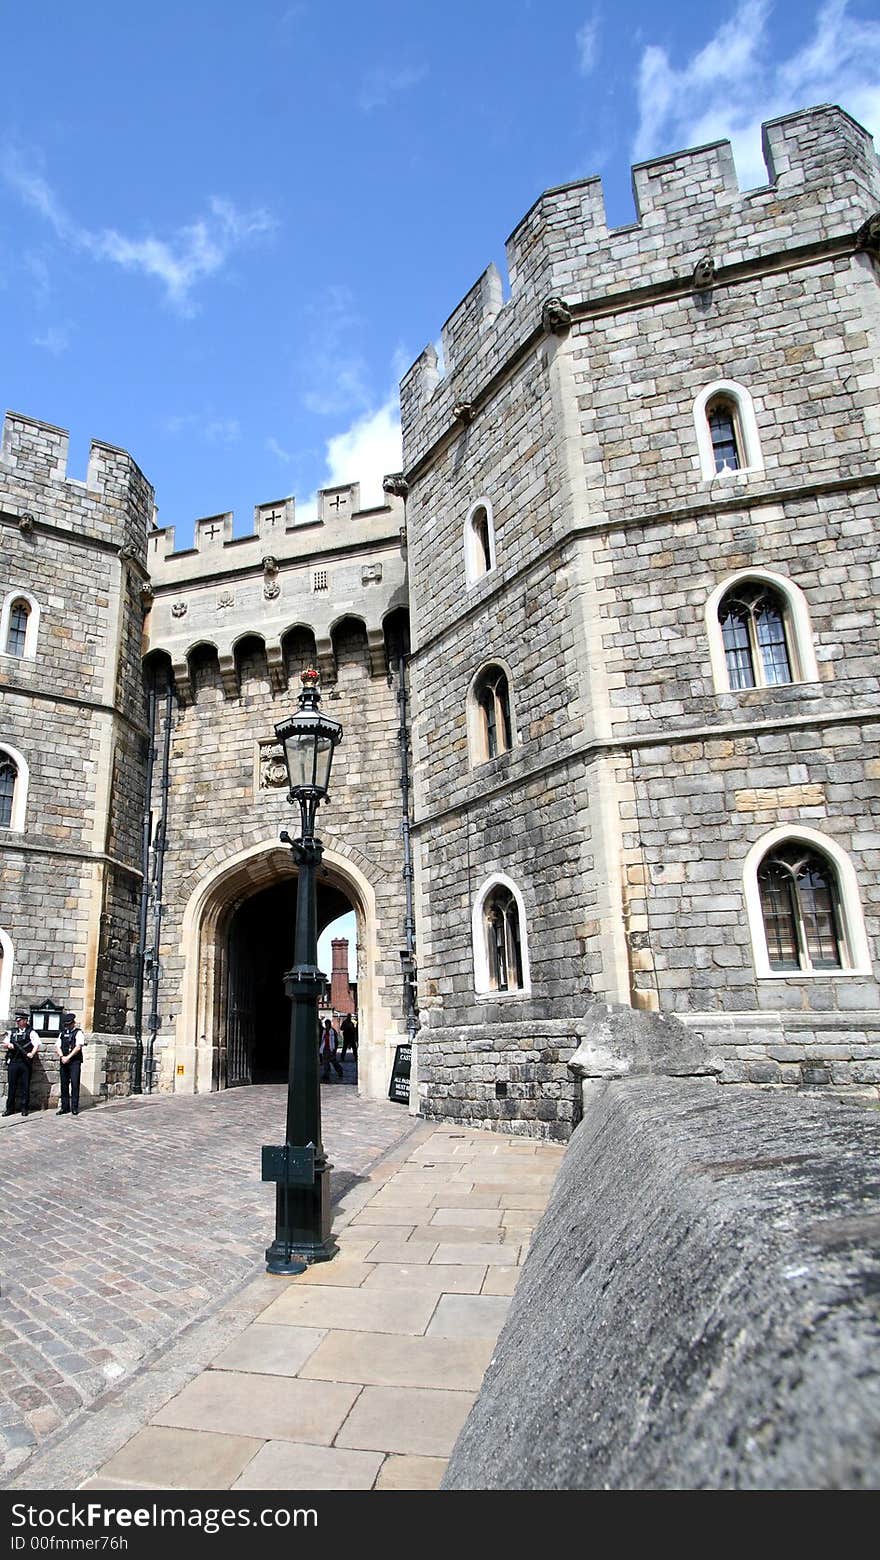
{"x":271,"y":590}
{"x":26,"y":522}
{"x":273,"y":770}
{"x":556,"y":317}
{"x":225,"y":599}
{"x":371,"y":574}
{"x":179,"y":609}
{"x":704,"y":274}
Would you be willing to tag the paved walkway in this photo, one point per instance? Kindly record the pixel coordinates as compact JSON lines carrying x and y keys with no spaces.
{"x":359,"y":1373}
{"x":122,"y":1227}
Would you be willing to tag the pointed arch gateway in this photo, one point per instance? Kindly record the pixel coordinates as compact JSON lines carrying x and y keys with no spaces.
{"x":214,"y":1045}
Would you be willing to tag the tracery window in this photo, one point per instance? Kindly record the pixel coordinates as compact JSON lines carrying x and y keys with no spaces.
{"x":801,"y":909}
{"x":755,"y":635}
{"x":503,"y":940}
{"x":8,"y":778}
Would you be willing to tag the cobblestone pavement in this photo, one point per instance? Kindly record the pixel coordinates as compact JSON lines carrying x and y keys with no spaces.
{"x":122,"y":1225}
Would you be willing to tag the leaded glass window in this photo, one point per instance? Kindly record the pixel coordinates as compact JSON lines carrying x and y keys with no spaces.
{"x":721,"y":418}
{"x":800,"y":904}
{"x":8,"y":777}
{"x":17,"y":633}
{"x":503,"y":940}
{"x":493,"y":701}
{"x":754,"y":632}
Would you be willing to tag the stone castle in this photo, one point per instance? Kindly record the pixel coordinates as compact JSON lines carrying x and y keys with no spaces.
{"x":606,"y":662}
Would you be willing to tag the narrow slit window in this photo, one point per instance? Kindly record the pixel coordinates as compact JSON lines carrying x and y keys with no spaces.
{"x":8,"y":777}
{"x":16,"y":636}
{"x":503,"y":941}
{"x":493,"y":701}
{"x":723,"y":431}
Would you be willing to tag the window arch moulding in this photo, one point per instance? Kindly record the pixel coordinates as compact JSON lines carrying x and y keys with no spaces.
{"x":483,"y":984}
{"x":10,"y":601}
{"x":856,"y":958}
{"x":7,"y":957}
{"x":727,"y":394}
{"x":20,"y":790}
{"x":799,"y":631}
{"x":479,"y":542}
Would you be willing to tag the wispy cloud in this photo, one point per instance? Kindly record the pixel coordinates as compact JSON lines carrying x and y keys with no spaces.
{"x":274,"y":448}
{"x":363,"y":452}
{"x":55,"y":339}
{"x":190,"y":255}
{"x":206,"y":426}
{"x":337,"y":371}
{"x":587,"y":40}
{"x":733,"y":82}
{"x":385,"y":82}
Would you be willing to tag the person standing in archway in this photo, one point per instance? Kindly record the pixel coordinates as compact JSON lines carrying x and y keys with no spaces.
{"x":327,"y":1048}
{"x":348,"y":1030}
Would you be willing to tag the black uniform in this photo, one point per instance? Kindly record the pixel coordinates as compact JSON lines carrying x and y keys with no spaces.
{"x":21,"y":1047}
{"x":69,"y":1072}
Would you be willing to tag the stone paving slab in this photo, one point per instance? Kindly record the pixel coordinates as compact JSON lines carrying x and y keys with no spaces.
{"x":436,"y":1280}
{"x":352,"y":1310}
{"x":263,"y":1407}
{"x":469,"y":1316}
{"x":456,"y":1362}
{"x":406,"y":1419}
{"x":180,"y":1459}
{"x":411,"y":1473}
{"x":286,"y":1465}
{"x":268,"y":1350}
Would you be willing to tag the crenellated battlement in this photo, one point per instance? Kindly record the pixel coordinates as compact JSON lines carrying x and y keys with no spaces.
{"x":823,"y":182}
{"x":278,"y":536}
{"x":115,"y":503}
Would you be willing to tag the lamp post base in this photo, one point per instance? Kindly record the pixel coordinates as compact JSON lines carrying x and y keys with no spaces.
{"x":279,"y":1261}
{"x":302,"y":1225}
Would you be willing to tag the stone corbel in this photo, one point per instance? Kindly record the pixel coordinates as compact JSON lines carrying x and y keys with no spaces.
{"x":395,"y":484}
{"x":556,"y":317}
{"x":703,"y":276}
{"x":326,"y":661}
{"x":464,"y":412}
{"x":229,"y":676}
{"x":376,"y":652}
{"x":868,"y":236}
{"x":182,"y":680}
{"x":277,"y":669}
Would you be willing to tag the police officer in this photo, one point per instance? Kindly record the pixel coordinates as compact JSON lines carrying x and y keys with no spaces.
{"x":69,"y":1050}
{"x":21,"y":1045}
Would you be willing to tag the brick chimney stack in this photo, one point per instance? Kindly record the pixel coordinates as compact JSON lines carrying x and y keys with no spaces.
{"x":340,"y":991}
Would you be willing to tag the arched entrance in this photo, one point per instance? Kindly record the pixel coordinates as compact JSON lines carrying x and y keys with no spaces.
{"x":238,"y":931}
{"x":259,"y":951}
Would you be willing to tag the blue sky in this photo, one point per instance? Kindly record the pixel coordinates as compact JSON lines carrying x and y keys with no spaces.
{"x":226,"y":230}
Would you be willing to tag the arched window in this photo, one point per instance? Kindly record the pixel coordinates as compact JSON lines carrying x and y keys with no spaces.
{"x":19,"y":624}
{"x":758,"y":626}
{"x":803,"y":904}
{"x":727,"y":430}
{"x":753,"y":628}
{"x":501,"y":959}
{"x":479,"y":542}
{"x":491,"y":702}
{"x":17,"y":632}
{"x":503,"y":943}
{"x":721,"y":417}
{"x":800,"y":907}
{"x":8,"y":778}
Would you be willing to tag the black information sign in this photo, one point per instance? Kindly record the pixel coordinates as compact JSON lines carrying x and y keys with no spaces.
{"x":399,"y":1087}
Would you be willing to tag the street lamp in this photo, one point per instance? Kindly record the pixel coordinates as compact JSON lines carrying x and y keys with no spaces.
{"x":299,"y":1167}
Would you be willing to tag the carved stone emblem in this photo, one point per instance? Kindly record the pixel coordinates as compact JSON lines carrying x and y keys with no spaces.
{"x":371,"y":574}
{"x":179,"y":609}
{"x":225,"y":599}
{"x":271,"y":590}
{"x":556,"y":316}
{"x":270,"y":564}
{"x":704,"y":273}
{"x":147,"y":596}
{"x":273,"y":770}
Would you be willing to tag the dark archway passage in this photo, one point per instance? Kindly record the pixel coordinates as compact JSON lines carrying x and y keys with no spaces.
{"x":260,"y":946}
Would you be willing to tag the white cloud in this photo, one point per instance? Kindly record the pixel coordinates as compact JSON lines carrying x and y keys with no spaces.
{"x":194,"y":252}
{"x":204,"y":425}
{"x":222,"y":430}
{"x":587,"y":40}
{"x":729,"y":86}
{"x":367,"y":451}
{"x":55,"y":339}
{"x":384,"y":82}
{"x":337,"y":371}
{"x":274,"y":448}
